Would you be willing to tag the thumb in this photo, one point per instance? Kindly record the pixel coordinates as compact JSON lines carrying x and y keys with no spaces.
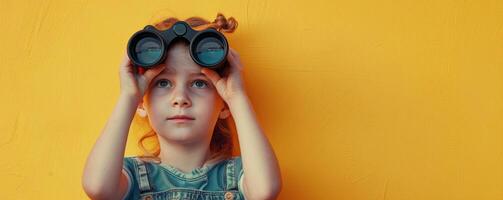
{"x":212,"y":75}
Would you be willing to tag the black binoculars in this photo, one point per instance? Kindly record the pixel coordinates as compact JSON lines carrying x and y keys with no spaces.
{"x":148,"y":47}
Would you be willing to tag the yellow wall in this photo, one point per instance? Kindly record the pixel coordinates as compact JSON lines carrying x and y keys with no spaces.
{"x":360,"y":99}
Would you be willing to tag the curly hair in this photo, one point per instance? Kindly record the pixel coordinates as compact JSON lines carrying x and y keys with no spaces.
{"x":221,"y":144}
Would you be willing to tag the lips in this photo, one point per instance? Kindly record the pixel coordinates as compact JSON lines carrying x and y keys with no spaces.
{"x":181,"y":117}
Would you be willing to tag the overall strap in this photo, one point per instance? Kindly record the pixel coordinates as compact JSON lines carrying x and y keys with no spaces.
{"x":142,"y":175}
{"x":230,"y":173}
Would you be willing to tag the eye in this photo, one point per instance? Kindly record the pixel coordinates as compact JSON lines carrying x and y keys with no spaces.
{"x":163,"y":82}
{"x":201,"y":83}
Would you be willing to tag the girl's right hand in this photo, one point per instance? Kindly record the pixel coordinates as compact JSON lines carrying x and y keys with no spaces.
{"x":132,"y":83}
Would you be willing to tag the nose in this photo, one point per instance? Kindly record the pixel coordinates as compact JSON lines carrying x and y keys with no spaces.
{"x":180,"y":98}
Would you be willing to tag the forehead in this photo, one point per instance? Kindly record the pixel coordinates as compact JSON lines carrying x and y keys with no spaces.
{"x":178,"y":60}
{"x":173,"y":71}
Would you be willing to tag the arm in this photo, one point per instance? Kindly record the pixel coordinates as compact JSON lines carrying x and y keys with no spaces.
{"x":263,"y":177}
{"x":103,"y":177}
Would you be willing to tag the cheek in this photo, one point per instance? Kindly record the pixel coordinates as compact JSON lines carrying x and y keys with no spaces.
{"x":209,"y":106}
{"x":206,"y":104}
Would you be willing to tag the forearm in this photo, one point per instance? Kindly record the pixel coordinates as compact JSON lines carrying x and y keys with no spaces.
{"x":104,"y":163}
{"x":259,"y":161}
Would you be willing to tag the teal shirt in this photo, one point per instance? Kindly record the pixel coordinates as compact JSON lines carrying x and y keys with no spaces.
{"x":154,"y":181}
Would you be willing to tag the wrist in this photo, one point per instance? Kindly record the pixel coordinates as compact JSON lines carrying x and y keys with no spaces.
{"x":237,"y":100}
{"x":130,"y":98}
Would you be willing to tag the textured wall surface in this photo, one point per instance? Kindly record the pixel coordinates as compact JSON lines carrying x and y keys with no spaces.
{"x":360,"y":99}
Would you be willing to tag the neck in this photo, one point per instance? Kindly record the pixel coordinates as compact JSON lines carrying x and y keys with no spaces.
{"x":184,"y":157}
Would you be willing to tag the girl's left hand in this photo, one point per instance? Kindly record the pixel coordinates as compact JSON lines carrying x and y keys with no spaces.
{"x":231,"y":86}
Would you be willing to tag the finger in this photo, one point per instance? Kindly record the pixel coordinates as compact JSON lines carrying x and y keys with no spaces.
{"x":234,"y":62}
{"x":125,"y":60}
{"x":141,"y":70}
{"x":153,"y":72}
{"x":127,"y":67}
{"x":125,"y":63}
{"x":212,"y":75}
{"x":235,"y":53}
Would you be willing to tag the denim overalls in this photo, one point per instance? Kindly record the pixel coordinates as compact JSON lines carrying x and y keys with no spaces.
{"x":152,"y":181}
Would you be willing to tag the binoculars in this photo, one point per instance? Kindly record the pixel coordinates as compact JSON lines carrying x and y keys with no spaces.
{"x":148,"y":47}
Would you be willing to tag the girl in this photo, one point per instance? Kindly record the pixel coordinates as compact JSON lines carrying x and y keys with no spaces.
{"x":194,"y":159}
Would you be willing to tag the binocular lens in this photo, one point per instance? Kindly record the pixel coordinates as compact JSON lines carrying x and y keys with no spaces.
{"x":148,"y":50}
{"x":210,"y":51}
{"x":207,"y":48}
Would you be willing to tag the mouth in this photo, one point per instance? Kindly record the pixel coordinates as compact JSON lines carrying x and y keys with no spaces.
{"x":181,"y":118}
{"x":178,"y":121}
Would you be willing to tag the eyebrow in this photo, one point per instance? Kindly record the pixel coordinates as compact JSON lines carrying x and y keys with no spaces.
{"x":191,"y":74}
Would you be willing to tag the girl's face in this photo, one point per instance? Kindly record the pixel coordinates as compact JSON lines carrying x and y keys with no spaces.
{"x":181,"y":89}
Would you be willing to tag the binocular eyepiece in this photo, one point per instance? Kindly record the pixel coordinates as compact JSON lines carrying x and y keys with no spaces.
{"x":148,"y":47}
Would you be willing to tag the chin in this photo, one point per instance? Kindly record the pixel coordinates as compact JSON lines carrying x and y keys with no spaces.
{"x":180,"y":136}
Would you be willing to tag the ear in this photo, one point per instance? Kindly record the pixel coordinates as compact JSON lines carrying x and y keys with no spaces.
{"x":141,"y":110}
{"x":224,"y":113}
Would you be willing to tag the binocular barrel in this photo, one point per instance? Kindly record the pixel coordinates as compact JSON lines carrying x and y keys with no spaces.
{"x":148,"y":47}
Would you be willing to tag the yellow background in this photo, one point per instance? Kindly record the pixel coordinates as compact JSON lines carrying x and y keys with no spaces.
{"x":360,"y":99}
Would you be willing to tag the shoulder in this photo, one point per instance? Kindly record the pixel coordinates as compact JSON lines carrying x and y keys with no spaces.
{"x":129,"y":164}
{"x":128,"y":159}
{"x":229,"y":162}
{"x":236,"y":160}
{"x":237,"y":165}
{"x":240,"y":175}
{"x":230,"y":159}
{"x":225,"y":167}
{"x":234,"y":168}
{"x":129,"y":167}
